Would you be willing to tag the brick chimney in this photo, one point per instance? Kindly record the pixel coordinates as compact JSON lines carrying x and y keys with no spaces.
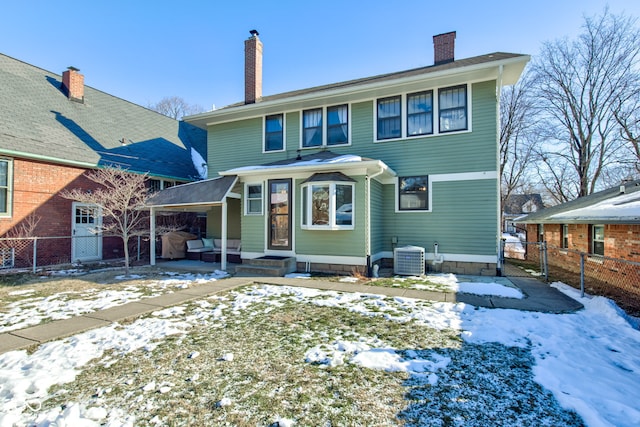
{"x":444,"y":48}
{"x":73,"y":84}
{"x":252,"y":68}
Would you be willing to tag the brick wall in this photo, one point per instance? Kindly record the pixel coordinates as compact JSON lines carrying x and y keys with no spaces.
{"x":36,"y":188}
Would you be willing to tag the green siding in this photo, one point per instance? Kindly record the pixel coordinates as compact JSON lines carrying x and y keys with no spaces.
{"x":214,"y":220}
{"x":463,"y":219}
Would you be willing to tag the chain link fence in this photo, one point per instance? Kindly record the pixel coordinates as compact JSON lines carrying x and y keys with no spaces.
{"x":37,"y":253}
{"x":614,"y":278}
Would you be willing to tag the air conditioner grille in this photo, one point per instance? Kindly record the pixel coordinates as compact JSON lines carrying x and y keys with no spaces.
{"x":408,"y":261}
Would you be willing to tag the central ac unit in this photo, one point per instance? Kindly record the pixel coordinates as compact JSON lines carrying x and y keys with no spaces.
{"x":408,"y":261}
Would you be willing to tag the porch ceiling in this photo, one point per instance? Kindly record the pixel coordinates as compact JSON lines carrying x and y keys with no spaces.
{"x":194,"y":196}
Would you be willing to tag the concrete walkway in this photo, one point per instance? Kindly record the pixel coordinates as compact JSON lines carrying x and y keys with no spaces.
{"x":539,"y":297}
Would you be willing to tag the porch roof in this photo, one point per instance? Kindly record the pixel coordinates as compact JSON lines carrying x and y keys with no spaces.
{"x":194,"y":195}
{"x":320,"y":162}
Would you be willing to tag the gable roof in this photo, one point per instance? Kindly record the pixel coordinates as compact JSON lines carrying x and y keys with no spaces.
{"x":194,"y":195}
{"x":483,"y":67}
{"x":39,"y":122}
{"x":514,"y":205}
{"x":610,"y":206}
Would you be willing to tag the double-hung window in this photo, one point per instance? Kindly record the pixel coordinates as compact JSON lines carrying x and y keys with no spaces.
{"x":253,"y":199}
{"x":452,"y":105}
{"x":312,"y":128}
{"x":6,"y":184}
{"x":420,"y":113}
{"x":413,"y":193}
{"x":389,"y":118}
{"x":315,"y":133}
{"x":337,"y":125}
{"x":565,"y":236}
{"x":328,"y":205}
{"x":597,"y":240}
{"x":274,"y":132}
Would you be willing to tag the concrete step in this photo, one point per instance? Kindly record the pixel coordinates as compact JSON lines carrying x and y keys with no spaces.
{"x":258,"y":270}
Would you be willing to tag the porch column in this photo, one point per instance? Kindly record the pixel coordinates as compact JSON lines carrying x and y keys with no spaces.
{"x":223,"y":254}
{"x":152,"y":236}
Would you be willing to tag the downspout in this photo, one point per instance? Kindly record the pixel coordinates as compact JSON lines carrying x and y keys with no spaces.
{"x":368,"y":220}
{"x":499,"y":183}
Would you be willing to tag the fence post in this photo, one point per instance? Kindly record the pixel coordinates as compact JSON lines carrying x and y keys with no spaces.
{"x":546,"y":262}
{"x":35,"y":254}
{"x":582,"y":256}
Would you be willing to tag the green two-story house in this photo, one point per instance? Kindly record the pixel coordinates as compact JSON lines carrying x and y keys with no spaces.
{"x":341,"y":176}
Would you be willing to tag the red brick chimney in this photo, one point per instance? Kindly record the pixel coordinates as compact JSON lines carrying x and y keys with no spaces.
{"x":252,"y":68}
{"x":444,"y":48}
{"x":73,"y":84}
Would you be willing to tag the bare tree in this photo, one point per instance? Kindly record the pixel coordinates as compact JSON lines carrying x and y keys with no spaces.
{"x":580,"y":85}
{"x":517,"y":123}
{"x":175,"y":107}
{"x":121,"y":198}
{"x":628,"y":117}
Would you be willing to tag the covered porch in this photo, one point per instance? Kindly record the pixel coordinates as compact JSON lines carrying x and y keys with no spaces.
{"x":200,"y":196}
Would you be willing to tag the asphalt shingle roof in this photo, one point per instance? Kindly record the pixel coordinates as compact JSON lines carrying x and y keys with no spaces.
{"x":37,"y":120}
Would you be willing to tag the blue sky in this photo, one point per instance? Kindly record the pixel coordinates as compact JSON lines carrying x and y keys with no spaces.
{"x":144,"y":51}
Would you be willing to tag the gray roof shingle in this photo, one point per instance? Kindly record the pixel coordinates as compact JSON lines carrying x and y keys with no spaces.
{"x":38,"y":121}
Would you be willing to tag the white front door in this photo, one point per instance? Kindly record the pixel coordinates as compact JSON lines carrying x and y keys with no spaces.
{"x":86,"y":244}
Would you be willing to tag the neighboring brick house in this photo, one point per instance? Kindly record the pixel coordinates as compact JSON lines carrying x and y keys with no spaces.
{"x":517,"y":205}
{"x":339,"y":177}
{"x":53,"y":129}
{"x":603,"y":225}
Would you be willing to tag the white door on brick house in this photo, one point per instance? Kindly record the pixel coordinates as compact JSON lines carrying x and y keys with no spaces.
{"x":86,"y":243}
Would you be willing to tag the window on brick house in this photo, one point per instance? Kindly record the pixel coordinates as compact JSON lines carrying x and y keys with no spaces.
{"x":597,"y":240}
{"x":564,"y":239}
{"x":6,"y":186}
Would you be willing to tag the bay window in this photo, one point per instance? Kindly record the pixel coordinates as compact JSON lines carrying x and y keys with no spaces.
{"x":327,"y":205}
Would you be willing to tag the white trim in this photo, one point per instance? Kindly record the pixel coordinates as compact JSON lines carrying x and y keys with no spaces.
{"x":429,"y":256}
{"x":464,"y":176}
{"x":284,"y":133}
{"x":435,"y":114}
{"x":246,"y":198}
{"x":332,"y":259}
{"x":325,"y":124}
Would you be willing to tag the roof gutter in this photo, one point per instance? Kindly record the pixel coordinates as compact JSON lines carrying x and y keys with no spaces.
{"x":262,"y":170}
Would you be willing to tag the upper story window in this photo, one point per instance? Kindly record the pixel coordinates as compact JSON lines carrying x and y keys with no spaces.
{"x":6,"y":186}
{"x":413,"y":193}
{"x":597,"y":240}
{"x":274,"y":132}
{"x":389,"y":118}
{"x":253,"y":199}
{"x":416,"y":118}
{"x":336,"y":131}
{"x":327,"y":205}
{"x":420,"y":113}
{"x":337,"y":125}
{"x":453,"y":108}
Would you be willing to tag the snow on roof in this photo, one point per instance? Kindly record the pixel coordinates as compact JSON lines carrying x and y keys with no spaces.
{"x":312,"y":162}
{"x":622,"y":206}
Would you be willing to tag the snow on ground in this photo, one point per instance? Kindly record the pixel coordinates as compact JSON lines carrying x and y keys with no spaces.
{"x":453,"y":283}
{"x":589,"y":359}
{"x":32,"y":311}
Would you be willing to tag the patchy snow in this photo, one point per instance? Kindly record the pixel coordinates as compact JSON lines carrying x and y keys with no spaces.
{"x":34,"y":310}
{"x":588,"y":359}
{"x":199,"y":163}
{"x":478,"y":286}
{"x":298,"y":276}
